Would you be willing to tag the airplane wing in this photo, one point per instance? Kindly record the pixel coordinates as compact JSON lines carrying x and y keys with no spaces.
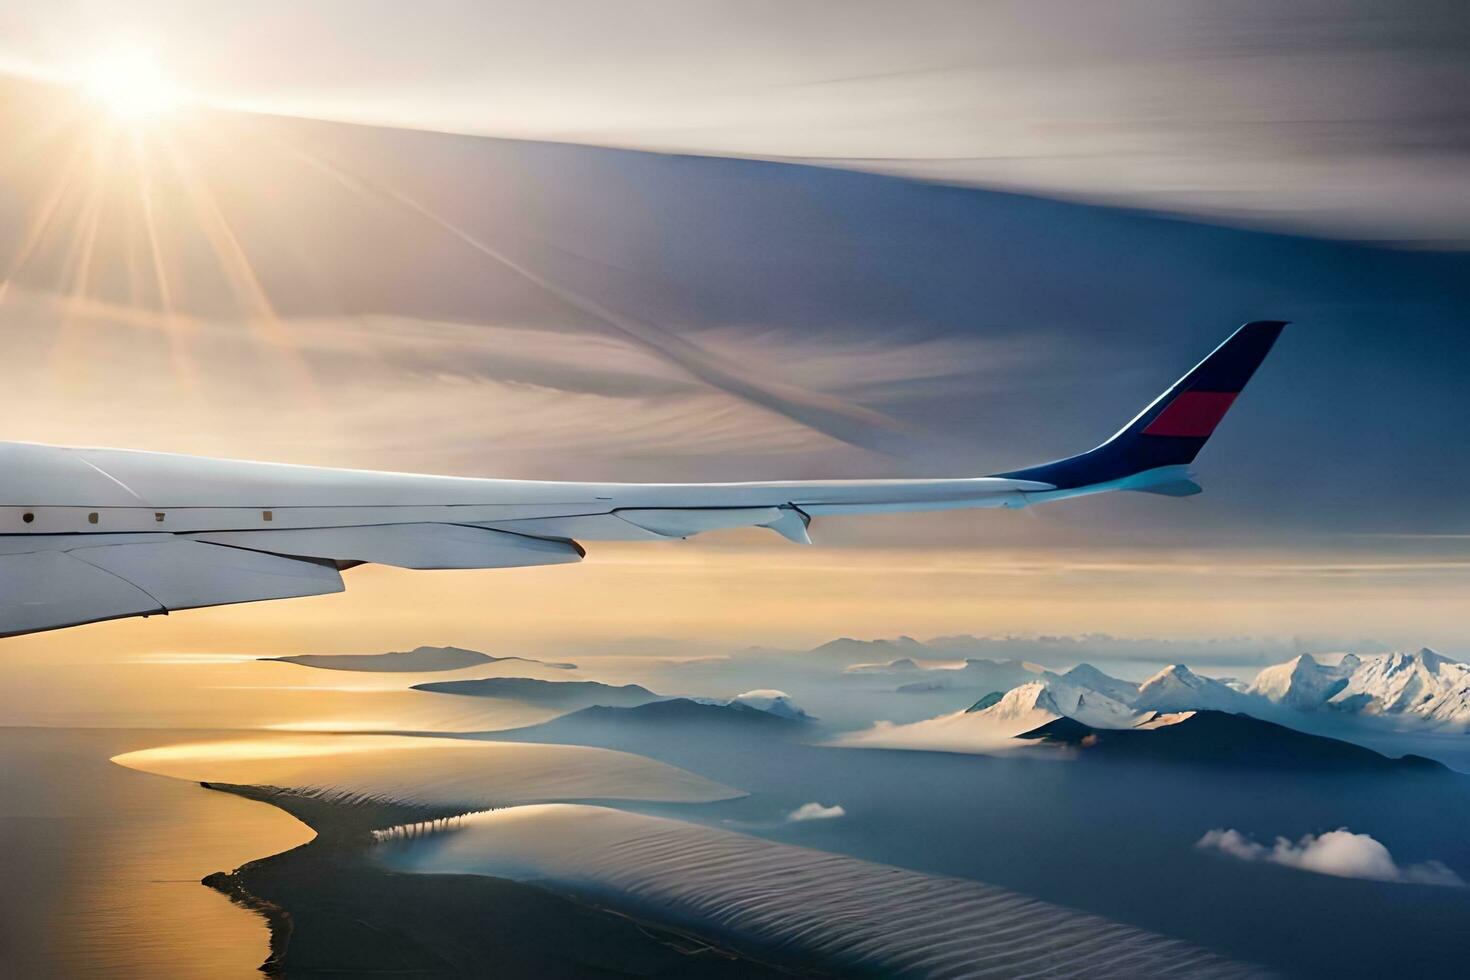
{"x":96,"y":534}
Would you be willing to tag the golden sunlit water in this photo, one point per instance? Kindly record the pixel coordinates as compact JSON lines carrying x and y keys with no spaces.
{"x":103,"y":864}
{"x":421,"y":769}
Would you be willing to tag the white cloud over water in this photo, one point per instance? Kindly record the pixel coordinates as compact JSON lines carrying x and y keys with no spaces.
{"x":1340,"y":852}
{"x":815,"y":811}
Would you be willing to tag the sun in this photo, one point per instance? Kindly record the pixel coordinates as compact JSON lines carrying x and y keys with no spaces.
{"x":130,"y":87}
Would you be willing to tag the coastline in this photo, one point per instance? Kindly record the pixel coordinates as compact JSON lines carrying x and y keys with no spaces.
{"x":330,"y":909}
{"x":103,"y":863}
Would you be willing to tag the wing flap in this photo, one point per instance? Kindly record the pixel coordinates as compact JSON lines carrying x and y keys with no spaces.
{"x":190,"y":574}
{"x":405,"y":545}
{"x":45,"y":590}
{"x":682,"y":522}
{"x":663,"y":523}
{"x":586,"y":527}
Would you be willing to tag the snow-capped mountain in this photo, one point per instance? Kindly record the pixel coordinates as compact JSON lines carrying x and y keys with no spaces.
{"x":1091,"y":707}
{"x":1020,"y":704}
{"x":1304,"y":682}
{"x":987,"y":729}
{"x":1100,"y":711}
{"x":993,"y":722}
{"x":1423,"y":685}
{"x":1089,"y":677}
{"x":1177,"y":688}
{"x":1410,"y":687}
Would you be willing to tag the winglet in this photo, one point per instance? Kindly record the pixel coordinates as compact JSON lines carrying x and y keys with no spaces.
{"x":1171,"y":431}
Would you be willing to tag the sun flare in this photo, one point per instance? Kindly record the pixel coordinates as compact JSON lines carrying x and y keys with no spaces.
{"x":131,"y":87}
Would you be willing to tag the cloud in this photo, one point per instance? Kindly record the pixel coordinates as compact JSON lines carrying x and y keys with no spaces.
{"x":957,"y":731}
{"x":1348,"y":122}
{"x":1340,"y":853}
{"x":815,"y":811}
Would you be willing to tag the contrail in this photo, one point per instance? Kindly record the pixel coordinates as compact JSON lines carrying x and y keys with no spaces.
{"x":831,"y":416}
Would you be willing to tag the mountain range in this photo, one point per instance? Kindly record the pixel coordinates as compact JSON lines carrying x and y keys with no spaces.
{"x":1420,"y":688}
{"x":1423,"y":684}
{"x":576,"y":695}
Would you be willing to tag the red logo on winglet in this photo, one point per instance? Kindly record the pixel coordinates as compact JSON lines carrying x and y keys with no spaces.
{"x":1193,"y":414}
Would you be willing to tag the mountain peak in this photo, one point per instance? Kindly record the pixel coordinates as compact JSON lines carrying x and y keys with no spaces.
{"x":1089,"y":677}
{"x":1431,"y":659}
{"x":1303,"y":682}
{"x":1018,"y":701}
{"x":1172,"y":674}
{"x":1053,"y":696}
{"x":1177,"y":688}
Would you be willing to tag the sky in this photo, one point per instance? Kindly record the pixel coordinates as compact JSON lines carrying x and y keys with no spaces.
{"x":432,"y":287}
{"x":1343,"y":116}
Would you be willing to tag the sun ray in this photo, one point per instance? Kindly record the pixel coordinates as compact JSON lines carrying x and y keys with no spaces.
{"x":128,"y":212}
{"x":76,"y":267}
{"x":175,"y":324}
{"x":41,"y":225}
{"x":234,"y":262}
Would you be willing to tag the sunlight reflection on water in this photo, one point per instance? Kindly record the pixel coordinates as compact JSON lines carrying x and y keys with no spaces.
{"x":456,"y":772}
{"x":237,"y":692}
{"x":103,"y":865}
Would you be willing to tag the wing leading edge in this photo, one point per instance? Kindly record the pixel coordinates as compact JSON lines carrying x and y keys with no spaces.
{"x":95,"y":534}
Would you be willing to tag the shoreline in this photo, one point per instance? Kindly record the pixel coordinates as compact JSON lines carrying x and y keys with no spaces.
{"x":330,"y":909}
